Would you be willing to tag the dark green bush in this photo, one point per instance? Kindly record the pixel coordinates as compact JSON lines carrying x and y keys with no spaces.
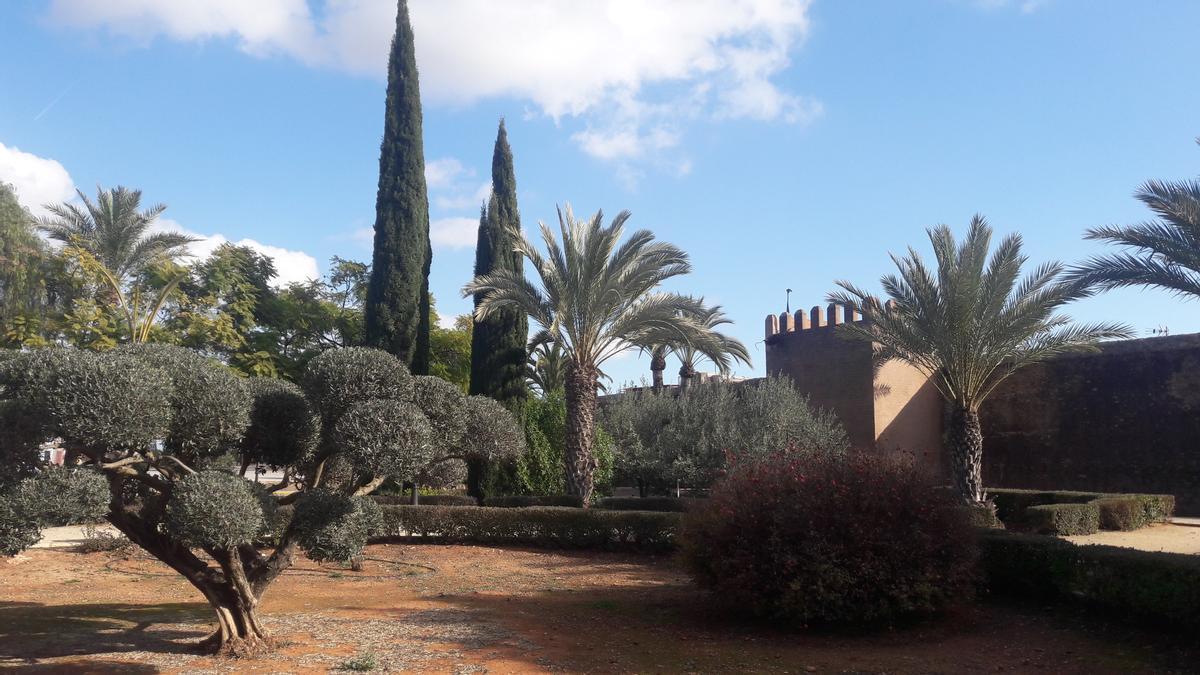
{"x":427,"y":500}
{"x":339,"y":378}
{"x":983,"y":515}
{"x":830,"y":540}
{"x":1062,"y":519}
{"x":65,"y":496}
{"x":523,"y":501}
{"x":562,"y":527}
{"x":1012,"y":507}
{"x":334,"y":527}
{"x":283,"y":426}
{"x":18,"y":529}
{"x":1158,"y":589}
{"x":676,"y":504}
{"x":385,"y":437}
{"x":1120,"y":513}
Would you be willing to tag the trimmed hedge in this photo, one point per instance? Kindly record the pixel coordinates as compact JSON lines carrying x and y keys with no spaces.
{"x":426,"y":500}
{"x":1161,"y":589}
{"x":1066,"y":512}
{"x":551,"y":526}
{"x":674,"y":504}
{"x":525,"y":501}
{"x":1062,"y":519}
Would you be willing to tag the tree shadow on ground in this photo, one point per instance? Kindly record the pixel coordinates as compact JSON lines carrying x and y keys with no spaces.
{"x":32,"y":631}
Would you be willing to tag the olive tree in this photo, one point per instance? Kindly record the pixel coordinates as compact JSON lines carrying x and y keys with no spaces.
{"x":159,"y":423}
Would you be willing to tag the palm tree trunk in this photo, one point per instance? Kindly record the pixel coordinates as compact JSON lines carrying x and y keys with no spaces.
{"x":966,"y":454}
{"x":686,"y":374}
{"x":658,"y":363}
{"x":579,"y":463}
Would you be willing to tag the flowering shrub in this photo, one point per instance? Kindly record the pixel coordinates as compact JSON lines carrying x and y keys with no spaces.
{"x":823,"y":540}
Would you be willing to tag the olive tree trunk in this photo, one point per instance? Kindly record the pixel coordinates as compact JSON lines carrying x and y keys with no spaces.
{"x":579,"y":462}
{"x":966,"y":454}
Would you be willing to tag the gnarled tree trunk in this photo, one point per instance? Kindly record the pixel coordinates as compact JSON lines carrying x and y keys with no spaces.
{"x":658,"y":363}
{"x":966,"y":454}
{"x":579,"y":462}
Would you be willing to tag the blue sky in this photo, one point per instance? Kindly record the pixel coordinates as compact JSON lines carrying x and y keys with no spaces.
{"x":783,"y":144}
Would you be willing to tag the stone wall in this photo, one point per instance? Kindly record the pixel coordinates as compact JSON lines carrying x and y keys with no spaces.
{"x":1126,"y":419}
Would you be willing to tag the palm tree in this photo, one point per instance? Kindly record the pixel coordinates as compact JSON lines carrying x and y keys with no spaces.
{"x":547,"y":367}
{"x":970,"y":324}
{"x":1165,"y":252}
{"x":689,"y":357}
{"x":658,"y":363}
{"x":111,"y":236}
{"x":597,"y":298}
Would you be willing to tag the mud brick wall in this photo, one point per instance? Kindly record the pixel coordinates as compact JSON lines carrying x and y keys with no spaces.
{"x":1126,"y":419}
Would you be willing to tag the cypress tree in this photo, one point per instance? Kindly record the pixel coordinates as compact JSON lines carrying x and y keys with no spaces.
{"x":498,"y":345}
{"x":397,"y":306}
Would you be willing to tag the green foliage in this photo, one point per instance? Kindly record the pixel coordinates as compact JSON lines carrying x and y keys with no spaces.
{"x":65,"y":496}
{"x":450,"y":350}
{"x":212,"y":509}
{"x":664,"y":440}
{"x":1157,"y":589}
{"x":32,"y":284}
{"x":492,"y":432}
{"x":106,"y":402}
{"x":1062,"y":519}
{"x":340,"y":378}
{"x":550,"y":526}
{"x":283,"y":428}
{"x":829,"y":540}
{"x":19,"y":529}
{"x":498,"y":341}
{"x":397,"y":306}
{"x":385,"y":438}
{"x":444,"y":405}
{"x":442,"y":474}
{"x":1164,"y":253}
{"x":673,"y":504}
{"x":526,"y":501}
{"x":334,"y":527}
{"x":210,"y":406}
{"x":1120,"y":513}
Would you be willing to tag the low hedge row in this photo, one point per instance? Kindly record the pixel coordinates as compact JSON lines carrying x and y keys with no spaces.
{"x":553,"y":526}
{"x":428,"y":500}
{"x":525,"y":501}
{"x":1160,"y":589}
{"x":675,"y":504}
{"x":1067,"y":513}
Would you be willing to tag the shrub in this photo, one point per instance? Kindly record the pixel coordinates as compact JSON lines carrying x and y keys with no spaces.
{"x":215,"y":510}
{"x":1120,"y":513}
{"x":331,"y":526}
{"x":663,"y":439}
{"x":525,"y":501}
{"x":1062,"y":519}
{"x":1155,"y":508}
{"x":1115,"y":511}
{"x":551,"y":526}
{"x":829,"y":540}
{"x":385,"y":437}
{"x":1159,"y":589}
{"x":427,"y":500}
{"x":675,"y":504}
{"x":96,"y":540}
{"x":65,"y":496}
{"x":18,"y":529}
{"x":492,"y":432}
{"x":444,"y":405}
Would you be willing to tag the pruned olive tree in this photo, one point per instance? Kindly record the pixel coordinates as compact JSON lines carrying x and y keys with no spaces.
{"x":163,"y":424}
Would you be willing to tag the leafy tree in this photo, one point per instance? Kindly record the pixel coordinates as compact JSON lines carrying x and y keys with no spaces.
{"x":546,"y":370}
{"x":112,"y":240}
{"x":664,"y":441}
{"x":397,"y":306}
{"x":27,"y":281}
{"x":1164,"y":253}
{"x":159,"y":422}
{"x":450,"y":349}
{"x":970,"y":324}
{"x":597,"y":300}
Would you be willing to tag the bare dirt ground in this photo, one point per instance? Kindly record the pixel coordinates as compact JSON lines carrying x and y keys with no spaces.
{"x":472,"y":609}
{"x":1166,"y":537}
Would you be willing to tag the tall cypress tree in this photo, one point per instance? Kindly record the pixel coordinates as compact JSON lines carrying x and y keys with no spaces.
{"x":397,"y":307}
{"x":498,"y":345}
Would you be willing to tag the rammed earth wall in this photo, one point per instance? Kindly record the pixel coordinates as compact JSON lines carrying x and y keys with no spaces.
{"x":1125,"y":419}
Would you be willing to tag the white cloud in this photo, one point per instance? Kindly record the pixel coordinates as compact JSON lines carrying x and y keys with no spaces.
{"x":290,"y":265}
{"x":454,"y":232}
{"x":38,"y":181}
{"x":457,"y":197}
{"x":632,"y":70}
{"x":440,"y":173}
